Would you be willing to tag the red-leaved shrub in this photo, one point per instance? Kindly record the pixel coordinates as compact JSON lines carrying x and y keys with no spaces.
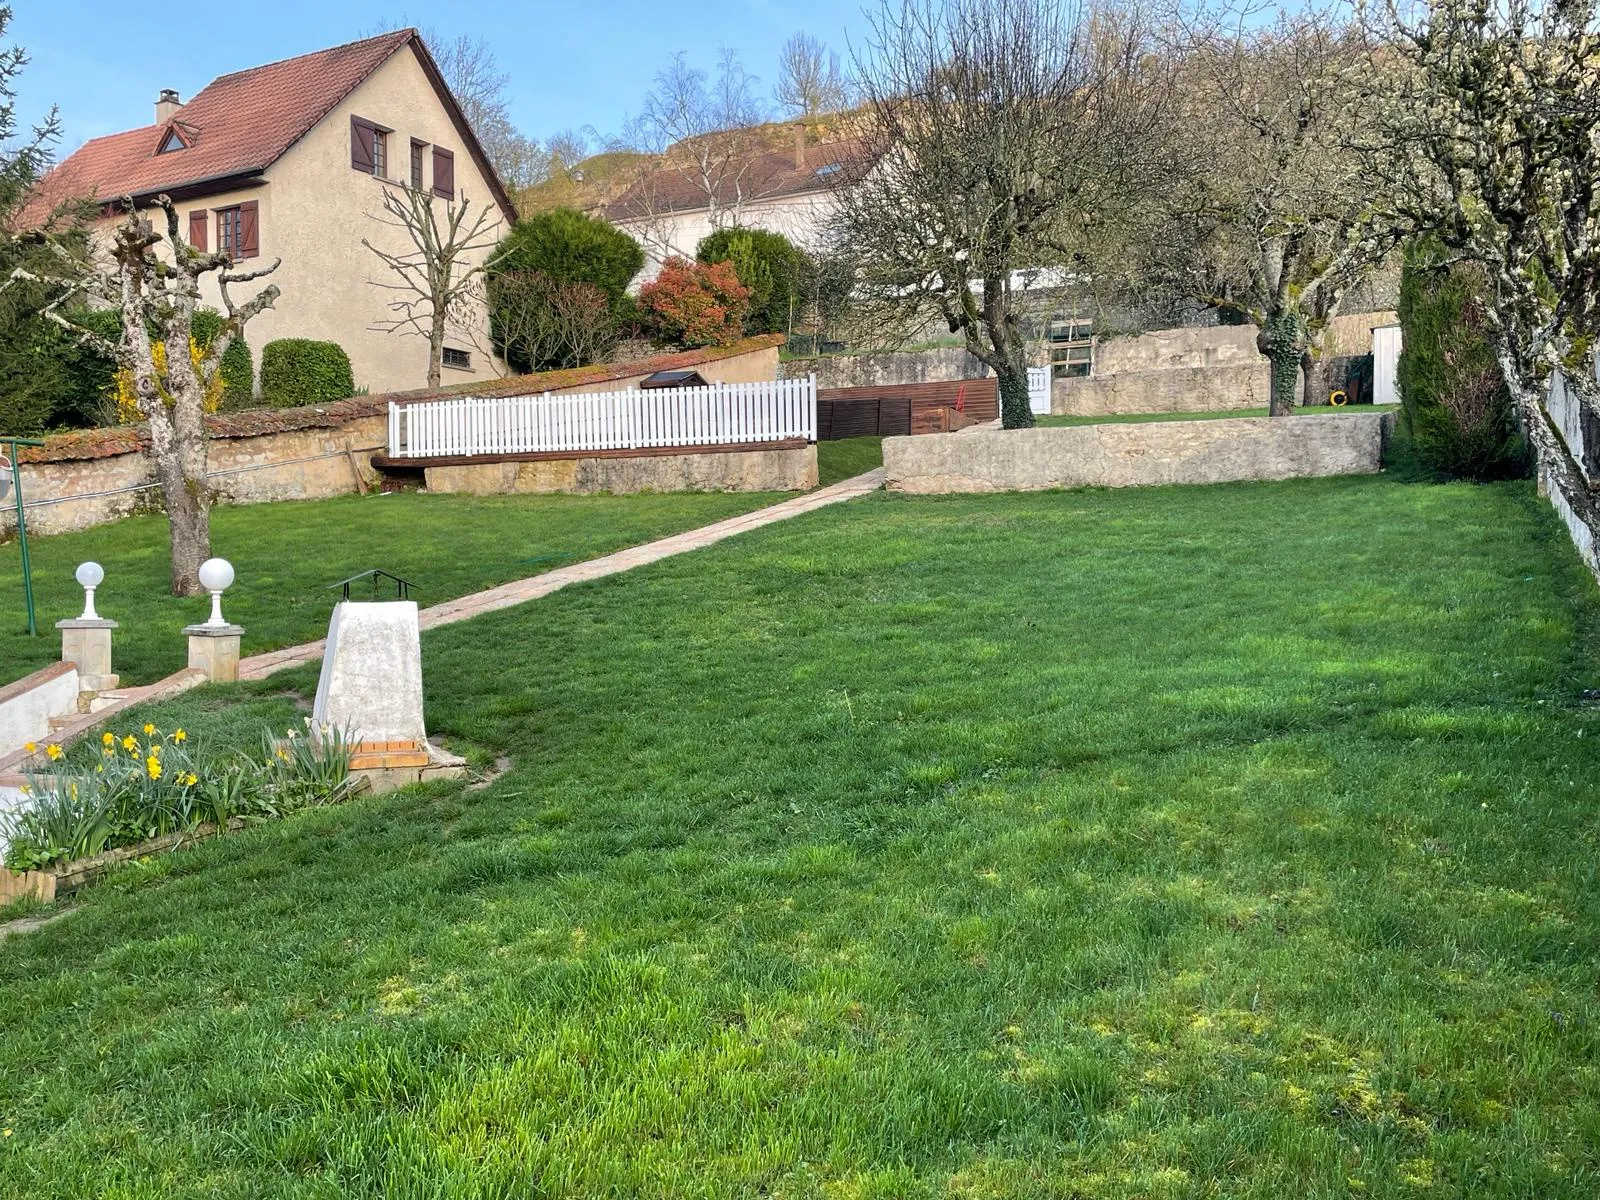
{"x":695,"y":304}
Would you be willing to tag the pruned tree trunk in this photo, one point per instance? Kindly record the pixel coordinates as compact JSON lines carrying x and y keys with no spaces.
{"x":150,"y":292}
{"x":1282,"y":341}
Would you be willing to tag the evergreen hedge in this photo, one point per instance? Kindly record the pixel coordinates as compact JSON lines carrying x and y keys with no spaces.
{"x":776,"y":271}
{"x":1455,"y":407}
{"x":299,"y":371}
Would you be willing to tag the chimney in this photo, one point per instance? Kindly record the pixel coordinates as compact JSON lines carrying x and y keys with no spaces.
{"x":799,"y":147}
{"x":167,"y":106}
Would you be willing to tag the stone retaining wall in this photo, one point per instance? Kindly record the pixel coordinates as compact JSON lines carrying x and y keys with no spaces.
{"x":939,"y":365}
{"x":1138,"y":454}
{"x":93,"y":476}
{"x":792,"y":469}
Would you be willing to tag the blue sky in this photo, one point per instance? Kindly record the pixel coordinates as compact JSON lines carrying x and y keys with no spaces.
{"x":571,"y":65}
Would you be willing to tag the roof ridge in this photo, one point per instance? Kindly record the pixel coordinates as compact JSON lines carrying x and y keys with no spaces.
{"x":410,"y":31}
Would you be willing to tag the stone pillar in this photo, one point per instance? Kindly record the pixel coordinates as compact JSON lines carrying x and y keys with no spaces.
{"x":214,"y":649}
{"x":86,"y":642}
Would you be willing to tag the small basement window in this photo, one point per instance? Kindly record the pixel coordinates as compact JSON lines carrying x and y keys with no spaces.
{"x":460,"y":359}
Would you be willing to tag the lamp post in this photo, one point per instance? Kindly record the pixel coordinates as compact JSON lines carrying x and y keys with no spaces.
{"x":11,"y":484}
{"x":214,"y":644}
{"x":216,"y":576}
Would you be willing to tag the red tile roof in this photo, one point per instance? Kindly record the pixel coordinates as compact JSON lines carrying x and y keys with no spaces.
{"x":238,"y":125}
{"x":762,"y":175}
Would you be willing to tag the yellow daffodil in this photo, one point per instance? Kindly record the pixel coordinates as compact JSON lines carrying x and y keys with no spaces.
{"x":53,"y":751}
{"x":128,"y":743}
{"x":30,"y":747}
{"x":25,"y":789}
{"x":191,"y":779}
{"x":180,"y":736}
{"x":149,"y":729}
{"x":153,"y":766}
{"x":108,"y":738}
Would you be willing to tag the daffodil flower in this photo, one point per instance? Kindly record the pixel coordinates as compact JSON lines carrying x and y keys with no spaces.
{"x":109,"y":738}
{"x":180,"y":736}
{"x":149,"y":729}
{"x":53,"y":751}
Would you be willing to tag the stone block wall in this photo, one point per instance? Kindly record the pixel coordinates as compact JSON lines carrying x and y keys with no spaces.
{"x":89,"y":477}
{"x":940,"y":365}
{"x":1138,"y":454}
{"x":791,"y":469}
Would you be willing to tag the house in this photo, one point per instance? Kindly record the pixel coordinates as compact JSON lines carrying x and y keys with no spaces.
{"x":290,"y":161}
{"x":684,"y":197}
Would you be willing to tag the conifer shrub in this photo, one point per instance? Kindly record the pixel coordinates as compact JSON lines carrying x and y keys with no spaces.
{"x":1456,"y":410}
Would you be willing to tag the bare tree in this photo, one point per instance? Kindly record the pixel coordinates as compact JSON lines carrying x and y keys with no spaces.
{"x":549,"y":324}
{"x":808,"y":78}
{"x":704,"y":130}
{"x":1265,"y":214}
{"x":437,"y":285}
{"x":997,"y":137}
{"x":1488,"y":131}
{"x":161,"y":292}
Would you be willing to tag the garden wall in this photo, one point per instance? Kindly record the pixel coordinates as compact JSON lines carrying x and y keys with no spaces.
{"x":939,"y":365}
{"x":1205,"y":369}
{"x":89,"y":477}
{"x":784,"y":469}
{"x":1138,"y":454}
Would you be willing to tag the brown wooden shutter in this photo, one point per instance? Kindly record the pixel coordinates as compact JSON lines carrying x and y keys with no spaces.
{"x":249,"y":244}
{"x":361,"y":134}
{"x":197,"y":228}
{"x":444,"y":173}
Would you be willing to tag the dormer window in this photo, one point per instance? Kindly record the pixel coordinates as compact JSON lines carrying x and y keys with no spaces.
{"x":173,"y":141}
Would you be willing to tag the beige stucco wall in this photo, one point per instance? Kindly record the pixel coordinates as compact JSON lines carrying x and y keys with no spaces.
{"x":1137,"y":454}
{"x":798,"y":218}
{"x":314,"y":211}
{"x":787,"y":470}
{"x":939,"y":365}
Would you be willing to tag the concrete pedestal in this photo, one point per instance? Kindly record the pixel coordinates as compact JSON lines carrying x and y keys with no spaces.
{"x":86,"y":643}
{"x":214,"y":649}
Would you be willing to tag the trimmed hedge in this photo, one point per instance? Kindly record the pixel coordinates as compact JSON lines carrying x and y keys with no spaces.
{"x":298,"y":371}
{"x":1454,"y":403}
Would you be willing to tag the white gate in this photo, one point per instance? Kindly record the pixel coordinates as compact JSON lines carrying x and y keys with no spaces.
{"x":1039,"y":391}
{"x":1385,"y":364}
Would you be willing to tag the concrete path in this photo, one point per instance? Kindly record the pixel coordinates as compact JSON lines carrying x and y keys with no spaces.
{"x":519,"y":591}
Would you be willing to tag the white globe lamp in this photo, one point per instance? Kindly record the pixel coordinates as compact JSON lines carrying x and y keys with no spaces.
{"x":216,"y":576}
{"x":89,"y":575}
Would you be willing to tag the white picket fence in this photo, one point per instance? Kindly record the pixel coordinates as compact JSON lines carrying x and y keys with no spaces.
{"x":721,"y":414}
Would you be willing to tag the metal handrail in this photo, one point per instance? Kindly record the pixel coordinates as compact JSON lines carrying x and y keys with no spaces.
{"x":402,"y":587}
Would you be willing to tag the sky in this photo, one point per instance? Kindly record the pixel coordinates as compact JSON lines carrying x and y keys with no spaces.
{"x":570,"y":65}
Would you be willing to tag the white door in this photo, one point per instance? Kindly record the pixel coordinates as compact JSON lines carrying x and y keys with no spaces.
{"x":1385,"y":364}
{"x":1039,"y":391}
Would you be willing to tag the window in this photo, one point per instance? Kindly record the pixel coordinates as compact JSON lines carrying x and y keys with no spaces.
{"x":457,"y":358}
{"x":236,"y":230}
{"x":369,"y":147}
{"x":417,"y":149}
{"x":1071,"y":347}
{"x":444,"y":173}
{"x":173,"y":141}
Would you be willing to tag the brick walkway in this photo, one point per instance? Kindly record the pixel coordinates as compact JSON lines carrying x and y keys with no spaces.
{"x":519,"y":591}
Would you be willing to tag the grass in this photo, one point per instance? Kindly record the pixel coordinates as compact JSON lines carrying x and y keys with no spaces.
{"x":847,"y":458}
{"x":1219,"y":414}
{"x":1232,"y":841}
{"x":287,"y":554}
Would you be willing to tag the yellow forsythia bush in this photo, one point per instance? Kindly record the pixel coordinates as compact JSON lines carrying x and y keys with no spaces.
{"x":128,"y":400}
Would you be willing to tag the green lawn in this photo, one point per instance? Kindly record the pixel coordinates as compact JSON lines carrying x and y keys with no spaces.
{"x":286,"y":555}
{"x":847,"y":458}
{"x":1232,"y":841}
{"x":1220,"y":414}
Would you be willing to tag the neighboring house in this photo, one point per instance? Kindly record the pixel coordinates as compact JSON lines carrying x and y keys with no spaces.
{"x":672,"y":207}
{"x":289,"y":161}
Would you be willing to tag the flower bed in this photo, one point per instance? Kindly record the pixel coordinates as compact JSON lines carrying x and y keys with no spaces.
{"x":155,"y":785}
